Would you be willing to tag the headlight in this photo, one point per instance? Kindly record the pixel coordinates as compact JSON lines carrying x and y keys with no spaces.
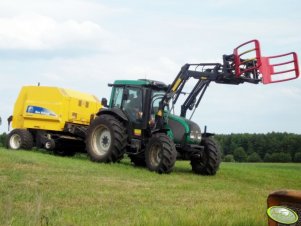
{"x":192,"y":135}
{"x":195,"y":136}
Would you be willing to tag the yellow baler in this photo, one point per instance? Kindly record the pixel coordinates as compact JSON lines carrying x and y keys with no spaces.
{"x":50,"y":117}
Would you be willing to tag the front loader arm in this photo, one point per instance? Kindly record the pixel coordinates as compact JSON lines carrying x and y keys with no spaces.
{"x":245,"y":65}
{"x":204,"y":77}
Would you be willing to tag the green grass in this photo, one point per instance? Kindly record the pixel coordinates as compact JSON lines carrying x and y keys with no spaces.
{"x":41,"y":189}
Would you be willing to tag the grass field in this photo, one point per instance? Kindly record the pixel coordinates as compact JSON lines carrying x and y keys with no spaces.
{"x":41,"y":189}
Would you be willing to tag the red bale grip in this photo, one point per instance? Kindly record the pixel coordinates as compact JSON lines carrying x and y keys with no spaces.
{"x":254,"y":47}
{"x":269,"y":72}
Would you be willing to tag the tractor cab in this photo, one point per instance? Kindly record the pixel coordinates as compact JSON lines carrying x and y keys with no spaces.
{"x":137,"y":101}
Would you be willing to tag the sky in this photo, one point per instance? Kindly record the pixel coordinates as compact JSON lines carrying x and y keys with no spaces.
{"x":86,"y":44}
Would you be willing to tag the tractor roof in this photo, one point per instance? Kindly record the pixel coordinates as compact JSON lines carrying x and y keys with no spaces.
{"x":140,"y":82}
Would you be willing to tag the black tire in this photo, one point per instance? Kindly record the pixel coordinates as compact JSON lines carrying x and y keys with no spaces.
{"x":106,"y":139}
{"x":64,"y":152}
{"x":19,"y":139}
{"x":208,"y":163}
{"x":160,"y":154}
{"x":49,"y":145}
{"x":64,"y":147}
{"x":138,"y":160}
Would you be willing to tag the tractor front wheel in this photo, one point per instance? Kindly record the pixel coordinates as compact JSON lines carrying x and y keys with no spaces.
{"x":208,"y":163}
{"x":106,"y":139}
{"x":160,"y":154}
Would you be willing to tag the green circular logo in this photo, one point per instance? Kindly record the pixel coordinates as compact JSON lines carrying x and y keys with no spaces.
{"x":282,"y":215}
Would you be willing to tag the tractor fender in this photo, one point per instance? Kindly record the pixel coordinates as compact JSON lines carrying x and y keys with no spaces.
{"x":164,"y":130}
{"x":114,"y":112}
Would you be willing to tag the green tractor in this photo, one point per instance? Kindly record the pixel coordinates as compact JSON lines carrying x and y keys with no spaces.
{"x":138,"y":119}
{"x":129,"y":126}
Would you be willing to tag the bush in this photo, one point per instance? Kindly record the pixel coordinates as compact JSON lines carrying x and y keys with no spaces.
{"x":254,"y":157}
{"x":2,"y":139}
{"x":240,"y":155}
{"x":267,"y":158}
{"x":229,"y":158}
{"x":297,"y":157}
{"x":278,"y":157}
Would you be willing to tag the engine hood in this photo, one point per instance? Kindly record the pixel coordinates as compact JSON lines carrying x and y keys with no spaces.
{"x":181,"y":127}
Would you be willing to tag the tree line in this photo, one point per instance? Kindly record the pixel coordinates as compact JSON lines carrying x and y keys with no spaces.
{"x":270,"y":147}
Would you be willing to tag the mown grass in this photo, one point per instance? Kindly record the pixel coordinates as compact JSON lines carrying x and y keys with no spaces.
{"x":42,"y":189}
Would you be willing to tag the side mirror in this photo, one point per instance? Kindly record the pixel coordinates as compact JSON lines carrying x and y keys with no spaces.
{"x":104,"y":102}
{"x":9,"y":120}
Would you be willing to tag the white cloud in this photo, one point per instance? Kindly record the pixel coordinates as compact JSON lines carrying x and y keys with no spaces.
{"x":37,"y":32}
{"x":61,"y":10}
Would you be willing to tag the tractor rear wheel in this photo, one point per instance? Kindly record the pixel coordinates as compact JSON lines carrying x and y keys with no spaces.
{"x":106,"y":139}
{"x":208,"y":163}
{"x":160,"y":153}
{"x":19,"y":139}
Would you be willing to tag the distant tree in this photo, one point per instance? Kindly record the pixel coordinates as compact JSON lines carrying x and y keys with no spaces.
{"x":259,"y":145}
{"x":267,"y":157}
{"x":297,"y":157}
{"x":281,"y":157}
{"x":250,"y":147}
{"x":229,"y":158}
{"x":263,"y":144}
{"x":254,"y":157}
{"x":240,"y":155}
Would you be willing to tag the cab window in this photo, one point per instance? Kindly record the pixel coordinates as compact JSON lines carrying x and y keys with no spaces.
{"x":156,"y":99}
{"x":133,"y":104}
{"x":117,"y":97}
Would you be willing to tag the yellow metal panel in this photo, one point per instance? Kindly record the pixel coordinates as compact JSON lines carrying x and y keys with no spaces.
{"x":175,"y":87}
{"x":49,"y":108}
